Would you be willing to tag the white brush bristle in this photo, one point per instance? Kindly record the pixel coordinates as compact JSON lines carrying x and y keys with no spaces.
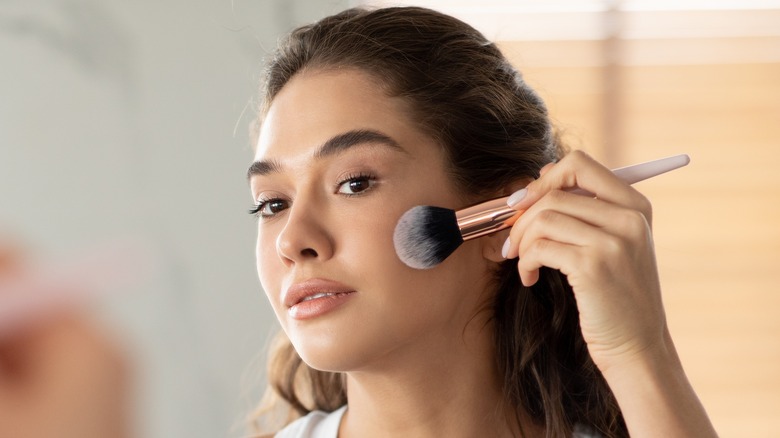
{"x":426,"y":235}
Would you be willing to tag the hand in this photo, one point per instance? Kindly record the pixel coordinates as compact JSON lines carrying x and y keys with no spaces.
{"x":604,"y":247}
{"x":60,"y":378}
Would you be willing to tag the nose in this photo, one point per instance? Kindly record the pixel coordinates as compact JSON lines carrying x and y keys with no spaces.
{"x":305,"y":236}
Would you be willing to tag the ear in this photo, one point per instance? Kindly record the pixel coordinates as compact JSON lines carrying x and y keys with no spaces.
{"x":492,"y":244}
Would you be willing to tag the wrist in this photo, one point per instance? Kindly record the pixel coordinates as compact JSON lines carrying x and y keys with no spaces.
{"x":656,"y":362}
{"x":655,"y":396}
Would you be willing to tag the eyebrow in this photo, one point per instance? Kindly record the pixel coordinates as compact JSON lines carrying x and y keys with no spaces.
{"x":335,"y":145}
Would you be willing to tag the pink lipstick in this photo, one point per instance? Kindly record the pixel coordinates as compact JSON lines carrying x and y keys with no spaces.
{"x":315,"y":297}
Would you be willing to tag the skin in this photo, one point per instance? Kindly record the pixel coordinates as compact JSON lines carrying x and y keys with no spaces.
{"x":604,"y":246}
{"x":60,"y":377}
{"x":407,"y":335}
{"x":415,"y":345}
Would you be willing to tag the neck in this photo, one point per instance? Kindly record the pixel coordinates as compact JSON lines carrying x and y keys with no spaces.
{"x":439,"y":386}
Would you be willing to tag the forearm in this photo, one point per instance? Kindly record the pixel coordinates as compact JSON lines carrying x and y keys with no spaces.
{"x":656,"y":398}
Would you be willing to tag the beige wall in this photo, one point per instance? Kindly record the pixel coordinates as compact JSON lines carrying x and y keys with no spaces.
{"x":716,"y":222}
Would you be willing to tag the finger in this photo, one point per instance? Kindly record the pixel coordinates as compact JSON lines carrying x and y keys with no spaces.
{"x":549,"y":253}
{"x":579,"y":170}
{"x":559,"y":227}
{"x":618,"y":220}
{"x":545,"y":168}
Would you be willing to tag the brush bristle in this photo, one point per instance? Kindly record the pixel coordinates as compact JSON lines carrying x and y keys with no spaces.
{"x":426,"y":235}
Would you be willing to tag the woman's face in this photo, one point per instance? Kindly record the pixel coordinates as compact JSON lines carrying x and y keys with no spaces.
{"x":337,"y":163}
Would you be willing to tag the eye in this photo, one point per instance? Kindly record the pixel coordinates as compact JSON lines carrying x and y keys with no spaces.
{"x":268,"y":208}
{"x":356,"y":184}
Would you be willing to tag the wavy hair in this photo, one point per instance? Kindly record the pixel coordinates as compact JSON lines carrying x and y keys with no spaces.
{"x":495,"y":130}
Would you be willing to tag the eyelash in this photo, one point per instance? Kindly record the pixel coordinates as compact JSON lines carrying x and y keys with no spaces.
{"x":360,"y":176}
{"x":257,"y":209}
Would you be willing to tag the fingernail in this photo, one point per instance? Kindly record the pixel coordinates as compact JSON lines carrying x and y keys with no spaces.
{"x":516,"y":197}
{"x":505,"y":249}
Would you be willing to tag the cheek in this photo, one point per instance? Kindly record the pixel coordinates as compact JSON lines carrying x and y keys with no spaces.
{"x":365,"y":236}
{"x":367,"y":246}
{"x":268,"y":266}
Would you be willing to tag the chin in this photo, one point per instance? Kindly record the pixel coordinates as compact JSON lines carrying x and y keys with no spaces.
{"x":334,"y":351}
{"x":322,"y":349}
{"x":331,"y":360}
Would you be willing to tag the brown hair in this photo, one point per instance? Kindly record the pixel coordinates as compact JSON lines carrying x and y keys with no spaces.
{"x":495,"y":131}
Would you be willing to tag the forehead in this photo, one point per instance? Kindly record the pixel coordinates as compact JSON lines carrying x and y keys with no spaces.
{"x":317,"y":105}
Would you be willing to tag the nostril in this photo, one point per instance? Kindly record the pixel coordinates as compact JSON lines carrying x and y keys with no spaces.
{"x":308,"y":252}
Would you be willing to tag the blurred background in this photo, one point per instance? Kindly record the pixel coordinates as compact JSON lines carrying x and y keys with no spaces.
{"x":130,"y":119}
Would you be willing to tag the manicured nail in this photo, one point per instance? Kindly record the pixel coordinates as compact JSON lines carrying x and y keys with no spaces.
{"x":505,"y":249}
{"x":516,"y":197}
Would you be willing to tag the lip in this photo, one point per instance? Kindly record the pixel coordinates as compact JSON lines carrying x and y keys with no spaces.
{"x":315,"y":297}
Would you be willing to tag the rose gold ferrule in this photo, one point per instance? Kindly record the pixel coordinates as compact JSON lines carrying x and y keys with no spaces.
{"x":485,"y":218}
{"x":494,"y":215}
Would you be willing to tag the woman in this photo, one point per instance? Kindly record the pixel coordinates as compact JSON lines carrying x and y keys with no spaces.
{"x":553,"y":328}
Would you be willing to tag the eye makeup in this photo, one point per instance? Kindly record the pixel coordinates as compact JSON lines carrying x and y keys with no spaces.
{"x":354,"y":172}
{"x":275,"y":205}
{"x":358,"y":183}
{"x":351,"y":185}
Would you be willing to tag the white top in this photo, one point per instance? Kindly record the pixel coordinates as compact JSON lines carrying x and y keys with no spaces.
{"x":319,"y":424}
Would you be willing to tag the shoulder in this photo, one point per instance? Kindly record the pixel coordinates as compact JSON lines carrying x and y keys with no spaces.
{"x":316,"y":424}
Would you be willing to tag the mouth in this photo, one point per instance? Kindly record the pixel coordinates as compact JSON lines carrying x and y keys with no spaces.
{"x":315,"y":297}
{"x":321,"y":295}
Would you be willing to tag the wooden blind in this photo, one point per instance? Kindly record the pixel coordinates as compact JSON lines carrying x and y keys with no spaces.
{"x":716,"y":222}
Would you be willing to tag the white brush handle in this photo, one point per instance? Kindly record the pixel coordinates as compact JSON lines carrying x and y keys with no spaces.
{"x":491,"y":216}
{"x":639,"y":172}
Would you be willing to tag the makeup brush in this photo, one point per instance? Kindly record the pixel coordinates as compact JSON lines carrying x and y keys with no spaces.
{"x":426,"y":235}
